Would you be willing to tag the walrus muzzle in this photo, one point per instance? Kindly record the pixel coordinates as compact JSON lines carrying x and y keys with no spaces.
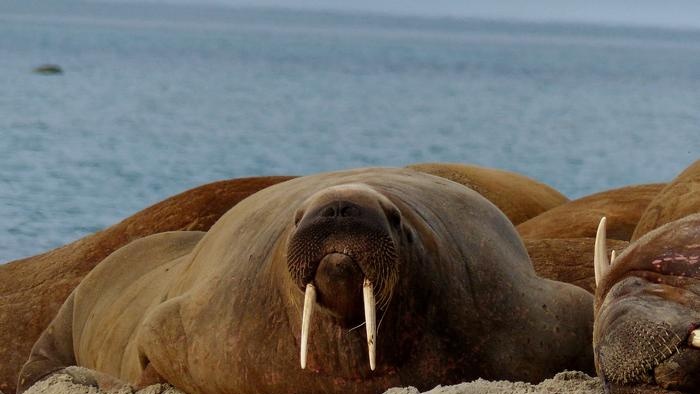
{"x":649,"y":338}
{"x":651,"y":352}
{"x":343,"y":254}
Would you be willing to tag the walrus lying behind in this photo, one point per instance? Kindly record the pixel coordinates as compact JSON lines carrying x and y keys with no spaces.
{"x":648,"y":310}
{"x":579,"y":218}
{"x":33,"y":289}
{"x":518,"y":196}
{"x":435,"y":272}
{"x":681,"y":197}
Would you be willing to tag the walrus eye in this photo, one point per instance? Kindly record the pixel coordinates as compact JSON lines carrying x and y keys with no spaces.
{"x":394,"y":217}
{"x":409,"y":235}
{"x":298,"y":216}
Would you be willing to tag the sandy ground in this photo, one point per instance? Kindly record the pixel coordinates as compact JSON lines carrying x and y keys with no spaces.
{"x":565,"y":382}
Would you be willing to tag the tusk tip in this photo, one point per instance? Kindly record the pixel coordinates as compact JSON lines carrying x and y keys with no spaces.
{"x":694,"y":338}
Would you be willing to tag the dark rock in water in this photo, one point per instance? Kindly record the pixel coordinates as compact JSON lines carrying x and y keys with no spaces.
{"x":49,"y":69}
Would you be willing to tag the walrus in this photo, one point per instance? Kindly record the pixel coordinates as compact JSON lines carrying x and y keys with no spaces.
{"x":680,"y":198}
{"x":623,"y":208}
{"x":567,"y":260}
{"x":647,"y":311}
{"x":274,"y":296}
{"x":33,"y":289}
{"x":518,"y":196}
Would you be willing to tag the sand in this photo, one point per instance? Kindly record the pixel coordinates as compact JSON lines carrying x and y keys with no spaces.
{"x":564,"y":382}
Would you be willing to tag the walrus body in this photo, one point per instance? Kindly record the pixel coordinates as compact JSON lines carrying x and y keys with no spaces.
{"x":518,"y":196}
{"x":567,"y":260}
{"x":681,"y":197}
{"x":623,"y":208}
{"x":648,"y":310}
{"x":456,"y":296}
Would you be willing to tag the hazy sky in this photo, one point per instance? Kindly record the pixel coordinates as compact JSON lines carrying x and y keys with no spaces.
{"x":666,"y":13}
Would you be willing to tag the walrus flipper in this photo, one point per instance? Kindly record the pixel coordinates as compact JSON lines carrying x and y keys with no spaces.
{"x":53,"y":354}
{"x":53,"y":351}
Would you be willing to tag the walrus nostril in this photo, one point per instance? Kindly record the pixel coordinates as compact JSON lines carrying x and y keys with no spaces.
{"x":297,"y":217}
{"x":329,"y":212}
{"x":349,"y":211}
{"x":338,"y":209}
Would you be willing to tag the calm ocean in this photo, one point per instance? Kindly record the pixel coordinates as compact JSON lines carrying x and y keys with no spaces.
{"x":158,"y":99}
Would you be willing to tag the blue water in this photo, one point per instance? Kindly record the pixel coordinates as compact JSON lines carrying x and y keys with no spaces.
{"x":158,"y":99}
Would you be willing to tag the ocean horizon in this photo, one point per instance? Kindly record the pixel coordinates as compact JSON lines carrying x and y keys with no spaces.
{"x":156,"y":99}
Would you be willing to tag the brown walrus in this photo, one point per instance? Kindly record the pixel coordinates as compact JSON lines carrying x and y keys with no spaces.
{"x":33,"y":289}
{"x":518,"y":196}
{"x":681,"y":197}
{"x":647,"y":311}
{"x":437,"y":273}
{"x":567,"y":260}
{"x":579,"y":218}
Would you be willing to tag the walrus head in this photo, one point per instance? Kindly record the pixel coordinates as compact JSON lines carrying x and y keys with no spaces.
{"x":647,"y":322}
{"x":343,"y":253}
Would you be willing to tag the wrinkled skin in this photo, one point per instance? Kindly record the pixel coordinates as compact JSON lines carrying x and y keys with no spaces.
{"x":220,"y":312}
{"x":646,"y":307}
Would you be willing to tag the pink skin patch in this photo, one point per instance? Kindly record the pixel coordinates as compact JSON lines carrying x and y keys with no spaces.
{"x":677,"y":264}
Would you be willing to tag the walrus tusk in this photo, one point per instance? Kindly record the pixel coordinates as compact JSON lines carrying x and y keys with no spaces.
{"x":309,"y":301}
{"x":370,"y":321}
{"x":694,"y":338}
{"x":612,"y":258}
{"x":600,"y":255}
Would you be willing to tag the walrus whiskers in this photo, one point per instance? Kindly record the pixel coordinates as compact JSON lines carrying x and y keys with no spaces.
{"x":309,"y":301}
{"x":371,"y":320}
{"x":600,"y":255}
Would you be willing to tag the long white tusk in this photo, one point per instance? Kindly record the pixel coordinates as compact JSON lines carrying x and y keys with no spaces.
{"x":309,"y":301}
{"x":600,"y":254}
{"x":612,"y":258}
{"x":370,"y":321}
{"x":695,"y":338}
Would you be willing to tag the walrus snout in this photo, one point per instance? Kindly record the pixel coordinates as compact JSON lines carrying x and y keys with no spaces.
{"x":650,"y":352}
{"x":645,"y":338}
{"x":352,"y":220}
{"x":343,"y":253}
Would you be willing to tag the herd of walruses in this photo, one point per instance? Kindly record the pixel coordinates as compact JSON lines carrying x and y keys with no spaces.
{"x":366,"y":279}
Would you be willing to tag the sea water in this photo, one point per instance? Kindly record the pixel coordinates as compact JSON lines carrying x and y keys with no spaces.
{"x":157,"y":99}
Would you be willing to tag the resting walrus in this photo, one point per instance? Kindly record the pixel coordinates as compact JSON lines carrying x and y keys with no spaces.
{"x":648,"y":311}
{"x":437,"y":272}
